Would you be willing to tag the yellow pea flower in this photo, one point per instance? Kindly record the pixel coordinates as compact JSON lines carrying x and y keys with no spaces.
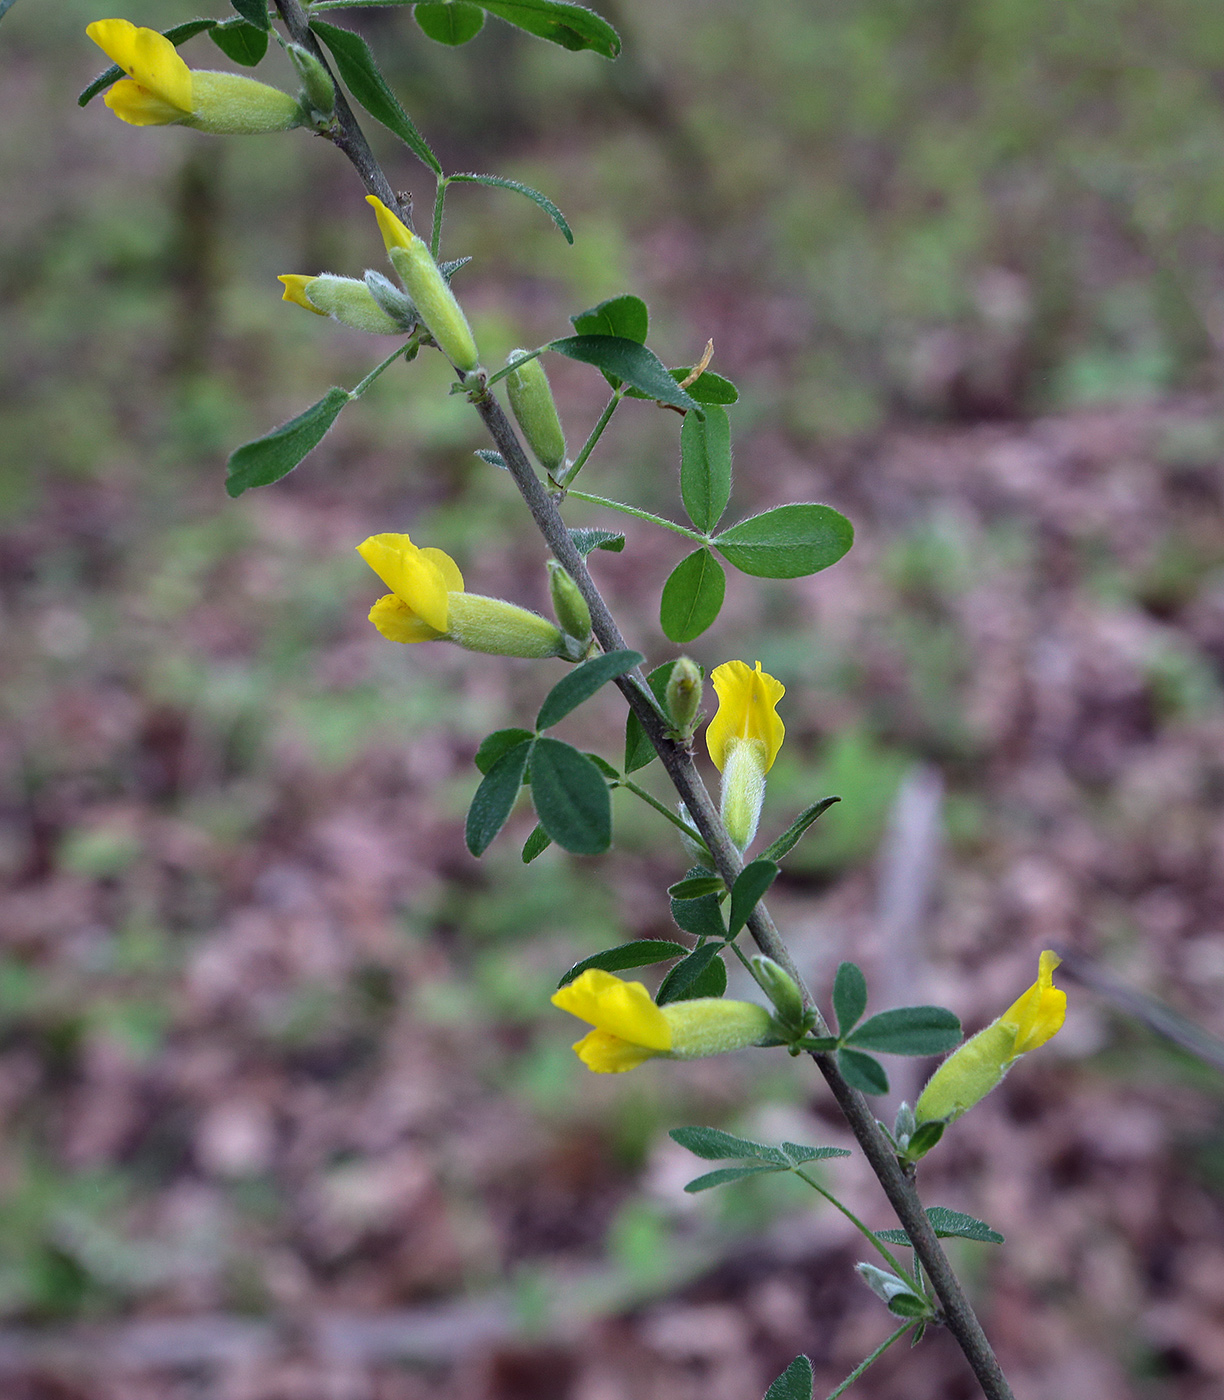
{"x":743,"y":739}
{"x":345,"y":299}
{"x":160,"y":90}
{"x":630,"y":1028}
{"x":440,"y":313}
{"x":972,"y":1071}
{"x":428,"y":603}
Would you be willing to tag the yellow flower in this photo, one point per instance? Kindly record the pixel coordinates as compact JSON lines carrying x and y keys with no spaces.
{"x":744,"y":738}
{"x":160,"y":90}
{"x":746,"y":713}
{"x":630,"y":1028}
{"x":972,"y":1071}
{"x":295,"y":290}
{"x":440,"y":313}
{"x":427,"y":602}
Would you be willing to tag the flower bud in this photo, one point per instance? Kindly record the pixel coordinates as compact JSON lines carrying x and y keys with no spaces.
{"x":972,"y":1071}
{"x":503,"y":629}
{"x":228,"y":104}
{"x":396,"y":303}
{"x":536,"y":412}
{"x":568,"y":603}
{"x":317,"y":85}
{"x":440,"y":313}
{"x":344,"y":299}
{"x":683,"y":696}
{"x":780,"y":987}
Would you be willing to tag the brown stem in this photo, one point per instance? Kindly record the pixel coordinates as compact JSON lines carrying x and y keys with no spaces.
{"x":346,"y":134}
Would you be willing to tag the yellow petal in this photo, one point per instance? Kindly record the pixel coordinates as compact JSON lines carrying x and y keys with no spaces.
{"x":411,"y":576}
{"x":295,"y":290}
{"x":147,"y":57}
{"x":605,"y":1053}
{"x":446,"y":566}
{"x":746,"y":710}
{"x":138,"y":106}
{"x":398,"y":623}
{"x":623,"y":1009}
{"x":396,"y":234}
{"x":1040,"y":1012}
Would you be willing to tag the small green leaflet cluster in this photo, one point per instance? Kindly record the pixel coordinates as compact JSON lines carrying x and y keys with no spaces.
{"x":905,"y":1030}
{"x":569,"y":789}
{"x":713,"y":1145}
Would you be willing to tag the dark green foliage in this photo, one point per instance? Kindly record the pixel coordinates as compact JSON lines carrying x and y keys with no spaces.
{"x":453,"y":22}
{"x":692,"y":596}
{"x":795,"y":1383}
{"x":749,"y":888}
{"x":244,"y":43}
{"x":908,"y":1030}
{"x":948,"y":1224}
{"x":696,"y":886}
{"x":862,"y":1072}
{"x":849,"y":996}
{"x":364,"y":79}
{"x":267,"y":459}
{"x":571,"y":26}
{"x":499,"y":181}
{"x":571,"y":798}
{"x":536,"y":844}
{"x":790,"y":837}
{"x":587,"y":540}
{"x":495,"y":797}
{"x":705,"y":466}
{"x":639,"y":751}
{"x":629,"y":362}
{"x":582,"y":682}
{"x":701,"y":974}
{"x":254,"y":12}
{"x":788,"y":542}
{"x":626,"y":316}
{"x":642,"y":952}
{"x":500,"y":742}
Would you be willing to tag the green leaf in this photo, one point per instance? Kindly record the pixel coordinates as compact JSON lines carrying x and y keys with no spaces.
{"x":582,"y":682}
{"x":500,"y":742}
{"x":948,"y":1224}
{"x":795,"y":1383}
{"x":639,"y":751}
{"x":587,"y":540}
{"x":177,"y":34}
{"x":452,"y":23}
{"x":749,"y":888}
{"x":604,"y":767}
{"x":701,"y":917}
{"x":363,"y":79}
{"x":909,"y":1030}
{"x":255,"y":12}
{"x":788,"y":542}
{"x":862,"y":1072}
{"x":5,"y":7}
{"x":268,"y":458}
{"x":695,"y":976}
{"x":500,"y":182}
{"x":495,"y":797}
{"x":790,"y":837}
{"x":713,"y":1145}
{"x":725,"y":1174}
{"x":571,"y":798}
{"x":571,"y":26}
{"x":243,"y":42}
{"x":849,"y":996}
{"x":705,"y":466}
{"x":494,"y":459}
{"x":536,"y":844}
{"x":642,"y":952}
{"x":626,"y":316}
{"x":696,"y":887}
{"x":924,"y":1137}
{"x":692,"y":596}
{"x":708,"y":387}
{"x":800,"y":1154}
{"x":630,"y":362}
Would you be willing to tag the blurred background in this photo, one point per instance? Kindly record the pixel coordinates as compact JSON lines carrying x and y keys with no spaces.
{"x":286,"y":1113}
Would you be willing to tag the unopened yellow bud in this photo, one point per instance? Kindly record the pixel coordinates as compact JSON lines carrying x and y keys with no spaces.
{"x":536,"y":412}
{"x":568,"y":603}
{"x":744,"y":738}
{"x":440,"y":313}
{"x":972,"y":1071}
{"x":782,"y":989}
{"x":344,"y":299}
